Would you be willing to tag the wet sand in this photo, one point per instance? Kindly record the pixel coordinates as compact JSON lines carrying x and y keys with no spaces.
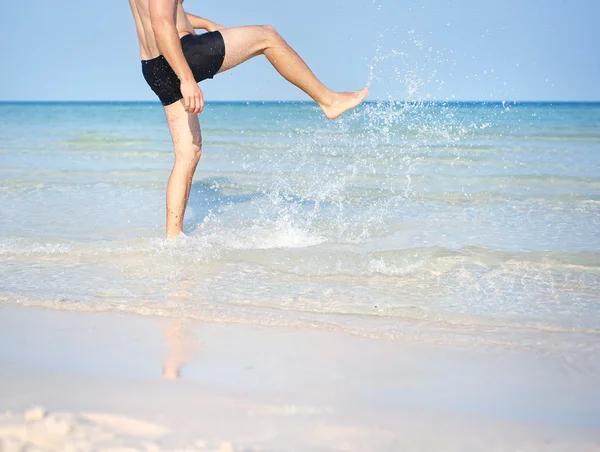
{"x":124,"y":382}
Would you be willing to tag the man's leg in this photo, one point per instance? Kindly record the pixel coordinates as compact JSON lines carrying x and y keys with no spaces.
{"x":243,"y":43}
{"x":187,"y":142}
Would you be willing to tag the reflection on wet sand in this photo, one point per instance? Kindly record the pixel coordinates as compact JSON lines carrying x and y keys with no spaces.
{"x":180,"y":346}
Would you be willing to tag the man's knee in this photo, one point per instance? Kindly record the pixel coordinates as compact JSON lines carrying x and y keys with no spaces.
{"x":189,"y":154}
{"x":195,"y":152}
{"x":272,"y":34}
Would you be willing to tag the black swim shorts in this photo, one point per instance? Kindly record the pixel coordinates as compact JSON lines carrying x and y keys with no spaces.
{"x":204,"y":53}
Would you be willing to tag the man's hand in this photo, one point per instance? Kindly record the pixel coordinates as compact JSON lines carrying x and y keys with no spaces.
{"x":193,"y":99}
{"x":201,"y":23}
{"x":211,"y":26}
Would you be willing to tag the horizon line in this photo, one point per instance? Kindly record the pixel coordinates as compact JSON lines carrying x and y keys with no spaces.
{"x":156,"y":102}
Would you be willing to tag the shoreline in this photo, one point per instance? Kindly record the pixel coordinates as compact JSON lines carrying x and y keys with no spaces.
{"x":469,"y":332}
{"x":250,"y":387}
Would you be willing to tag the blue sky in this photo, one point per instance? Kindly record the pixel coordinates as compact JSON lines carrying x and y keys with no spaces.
{"x":433,"y":49}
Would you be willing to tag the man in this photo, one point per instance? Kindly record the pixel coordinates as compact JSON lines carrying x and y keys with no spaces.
{"x":175,"y":59}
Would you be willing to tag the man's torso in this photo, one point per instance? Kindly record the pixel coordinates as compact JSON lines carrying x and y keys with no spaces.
{"x":148,"y":47}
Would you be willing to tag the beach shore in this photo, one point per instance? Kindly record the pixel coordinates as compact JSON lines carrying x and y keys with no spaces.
{"x":106,"y":381}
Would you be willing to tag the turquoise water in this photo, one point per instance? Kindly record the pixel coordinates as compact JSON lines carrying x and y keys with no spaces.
{"x":458,"y":223}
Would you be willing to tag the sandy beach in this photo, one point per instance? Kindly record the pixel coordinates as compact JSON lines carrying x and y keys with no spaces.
{"x":104,"y":381}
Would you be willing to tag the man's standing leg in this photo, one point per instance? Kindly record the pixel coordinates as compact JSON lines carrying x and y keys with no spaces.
{"x":187,"y":142}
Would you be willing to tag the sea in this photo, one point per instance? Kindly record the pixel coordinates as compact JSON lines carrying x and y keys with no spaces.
{"x":467,"y":224}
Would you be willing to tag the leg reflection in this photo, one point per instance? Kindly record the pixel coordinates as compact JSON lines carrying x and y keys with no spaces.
{"x":180,"y":346}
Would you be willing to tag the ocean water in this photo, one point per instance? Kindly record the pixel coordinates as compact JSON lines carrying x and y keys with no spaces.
{"x":470,"y":224}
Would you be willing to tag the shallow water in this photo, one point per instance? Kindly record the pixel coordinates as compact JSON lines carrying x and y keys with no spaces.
{"x":458,"y":223}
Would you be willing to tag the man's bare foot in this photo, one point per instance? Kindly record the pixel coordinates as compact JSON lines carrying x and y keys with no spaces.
{"x":343,"y":102}
{"x":176,"y":235}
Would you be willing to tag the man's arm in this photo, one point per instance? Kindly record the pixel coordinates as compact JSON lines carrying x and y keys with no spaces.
{"x":200,"y":23}
{"x":162,"y":17}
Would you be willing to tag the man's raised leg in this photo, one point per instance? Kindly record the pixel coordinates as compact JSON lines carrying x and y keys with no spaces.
{"x":243,"y":43}
{"x":187,"y":142}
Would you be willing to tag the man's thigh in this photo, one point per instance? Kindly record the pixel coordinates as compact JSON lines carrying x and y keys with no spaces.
{"x":243,"y":43}
{"x":184,"y":128}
